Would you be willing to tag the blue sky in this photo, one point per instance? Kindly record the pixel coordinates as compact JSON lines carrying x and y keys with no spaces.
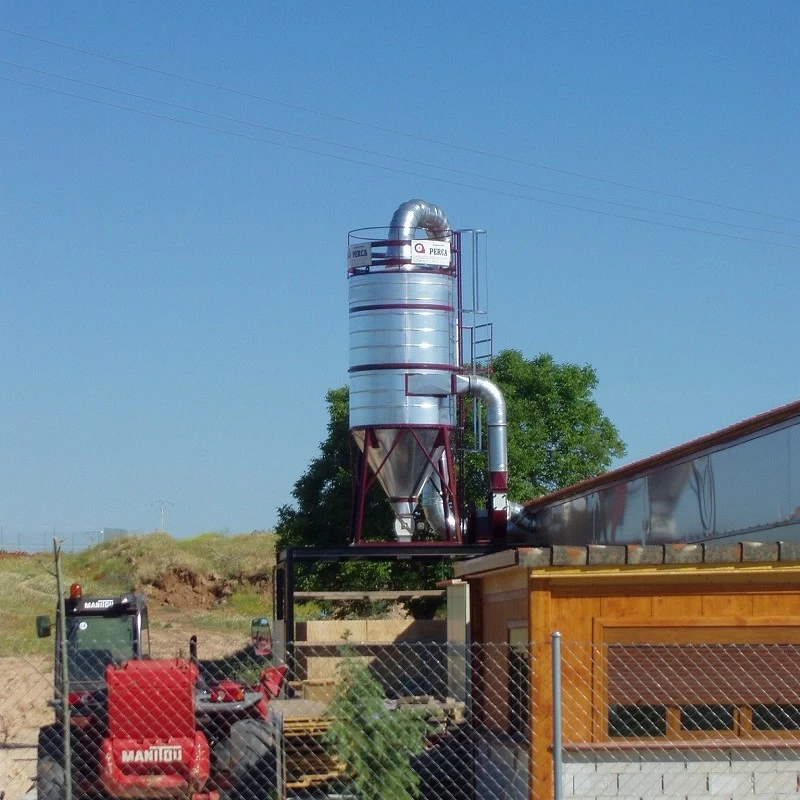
{"x":173,"y":303}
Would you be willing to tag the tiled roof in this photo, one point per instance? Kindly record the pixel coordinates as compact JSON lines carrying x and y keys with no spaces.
{"x":633,"y":554}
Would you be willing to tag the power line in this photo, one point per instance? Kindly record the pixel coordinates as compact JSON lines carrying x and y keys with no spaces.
{"x":365,"y":151}
{"x":396,"y":170}
{"x":393,"y":131}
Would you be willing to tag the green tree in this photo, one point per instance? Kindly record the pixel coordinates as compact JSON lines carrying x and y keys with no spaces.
{"x":323,"y":493}
{"x":375,"y":744}
{"x":557,"y":435}
{"x":321,"y":516}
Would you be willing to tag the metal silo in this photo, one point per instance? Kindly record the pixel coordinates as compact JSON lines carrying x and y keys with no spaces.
{"x":403,"y":298}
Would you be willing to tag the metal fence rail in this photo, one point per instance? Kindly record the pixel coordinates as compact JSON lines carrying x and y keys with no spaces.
{"x":36,"y":540}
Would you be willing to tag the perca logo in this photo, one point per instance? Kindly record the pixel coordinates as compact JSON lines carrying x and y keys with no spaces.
{"x":359,"y":255}
{"x":155,"y":754}
{"x":430,"y":254}
{"x":98,"y":604}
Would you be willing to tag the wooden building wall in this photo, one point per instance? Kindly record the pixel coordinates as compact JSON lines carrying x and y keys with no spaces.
{"x":593,"y":606}
{"x":591,"y":617}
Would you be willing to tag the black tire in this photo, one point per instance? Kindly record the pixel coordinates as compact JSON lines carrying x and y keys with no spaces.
{"x":253,"y":759}
{"x":50,"y":780}
{"x":50,"y":775}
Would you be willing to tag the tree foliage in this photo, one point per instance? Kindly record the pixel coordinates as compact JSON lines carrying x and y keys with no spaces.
{"x":321,"y":516}
{"x":322,"y":493}
{"x":557,"y":435}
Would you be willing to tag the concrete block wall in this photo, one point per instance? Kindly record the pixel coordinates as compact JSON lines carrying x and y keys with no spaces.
{"x":682,"y":774}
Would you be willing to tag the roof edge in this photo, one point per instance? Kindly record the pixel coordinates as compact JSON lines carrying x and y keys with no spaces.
{"x":674,"y":455}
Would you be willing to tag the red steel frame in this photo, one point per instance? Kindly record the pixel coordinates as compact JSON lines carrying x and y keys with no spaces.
{"x":363,"y":480}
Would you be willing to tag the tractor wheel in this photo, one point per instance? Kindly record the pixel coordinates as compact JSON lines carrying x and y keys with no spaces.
{"x":50,"y":782}
{"x":252,"y":748}
{"x":50,"y":777}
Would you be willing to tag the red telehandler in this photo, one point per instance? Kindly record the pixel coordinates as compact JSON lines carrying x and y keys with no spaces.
{"x":149,"y":728}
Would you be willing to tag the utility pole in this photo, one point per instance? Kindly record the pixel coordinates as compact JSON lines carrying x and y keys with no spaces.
{"x":65,"y":693}
{"x":162,"y":505}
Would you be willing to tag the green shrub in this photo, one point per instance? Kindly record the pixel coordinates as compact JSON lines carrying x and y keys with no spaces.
{"x":375,"y":743}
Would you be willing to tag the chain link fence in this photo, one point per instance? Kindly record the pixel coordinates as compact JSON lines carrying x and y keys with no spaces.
{"x":34,"y":540}
{"x":351,"y":720}
{"x":406,"y":720}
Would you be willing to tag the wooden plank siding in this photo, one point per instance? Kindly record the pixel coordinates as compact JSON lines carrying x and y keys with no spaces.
{"x":499,"y":609}
{"x":597,"y":607}
{"x":626,"y":605}
{"x":677,"y":605}
{"x":728,"y":604}
{"x":577,"y":664}
{"x":784,"y":603}
{"x":540,"y":767}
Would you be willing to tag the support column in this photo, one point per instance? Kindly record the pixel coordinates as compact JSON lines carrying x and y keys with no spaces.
{"x":540,"y":710}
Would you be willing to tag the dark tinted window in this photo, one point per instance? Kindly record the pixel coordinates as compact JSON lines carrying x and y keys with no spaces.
{"x":518,"y":691}
{"x":637,"y":720}
{"x":776,"y":717}
{"x":713,"y":717}
{"x":96,"y":642}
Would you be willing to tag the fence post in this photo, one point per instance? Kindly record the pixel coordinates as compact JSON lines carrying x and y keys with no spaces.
{"x":557,"y":762}
{"x":65,"y":709}
{"x":276,"y":720}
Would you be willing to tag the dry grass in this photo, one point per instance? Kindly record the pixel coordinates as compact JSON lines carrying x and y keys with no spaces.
{"x":241,"y":563}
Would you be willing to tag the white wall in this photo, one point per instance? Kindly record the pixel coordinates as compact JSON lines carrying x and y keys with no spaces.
{"x":701,"y":774}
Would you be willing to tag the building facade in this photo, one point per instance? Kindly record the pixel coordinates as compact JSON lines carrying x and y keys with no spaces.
{"x":680,"y":668}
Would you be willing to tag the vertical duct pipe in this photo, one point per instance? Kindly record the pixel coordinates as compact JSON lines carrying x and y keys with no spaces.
{"x":496,"y":424}
{"x":497,"y":446}
{"x":497,"y":441}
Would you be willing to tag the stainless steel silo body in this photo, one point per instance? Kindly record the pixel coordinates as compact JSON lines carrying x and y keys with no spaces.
{"x":400,"y":322}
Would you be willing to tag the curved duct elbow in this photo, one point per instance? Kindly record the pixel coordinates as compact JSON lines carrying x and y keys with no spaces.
{"x":410,"y":216}
{"x":497,"y":438}
{"x":497,"y":446}
{"x":432,"y":504}
{"x":514,"y":510}
{"x":496,"y":423}
{"x":520,"y":527}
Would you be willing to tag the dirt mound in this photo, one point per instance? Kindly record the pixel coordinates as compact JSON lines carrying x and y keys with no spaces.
{"x":184,"y":588}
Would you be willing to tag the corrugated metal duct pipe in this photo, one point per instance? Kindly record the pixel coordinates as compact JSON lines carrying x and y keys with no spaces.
{"x":496,"y":425}
{"x":432,"y":503}
{"x":410,"y":216}
{"x":497,"y":446}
